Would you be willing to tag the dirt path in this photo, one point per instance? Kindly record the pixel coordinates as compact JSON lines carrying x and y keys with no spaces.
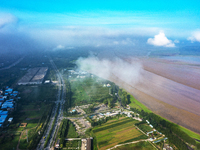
{"x":127,"y":144}
{"x":19,"y":141}
{"x":21,"y":135}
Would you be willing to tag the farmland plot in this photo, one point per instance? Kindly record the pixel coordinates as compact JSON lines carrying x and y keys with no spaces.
{"x":119,"y":131}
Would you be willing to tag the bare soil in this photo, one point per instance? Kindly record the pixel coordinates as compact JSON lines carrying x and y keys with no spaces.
{"x":23,"y":125}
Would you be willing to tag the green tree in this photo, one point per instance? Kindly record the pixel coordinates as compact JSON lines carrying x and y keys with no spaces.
{"x":91,"y":108}
{"x":105,"y":101}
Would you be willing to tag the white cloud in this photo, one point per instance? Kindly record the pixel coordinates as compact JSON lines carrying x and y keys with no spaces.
{"x":176,"y":41}
{"x":7,"y":19}
{"x":59,"y":47}
{"x":195,"y":37}
{"x":160,"y":40}
{"x":128,"y":72}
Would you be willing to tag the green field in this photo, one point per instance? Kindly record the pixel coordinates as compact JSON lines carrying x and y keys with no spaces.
{"x":136,"y":146}
{"x":10,"y":142}
{"x":190,"y":133}
{"x":31,"y":115}
{"x":72,"y":131}
{"x":88,"y":90}
{"x":115,"y":132}
{"x":37,"y":94}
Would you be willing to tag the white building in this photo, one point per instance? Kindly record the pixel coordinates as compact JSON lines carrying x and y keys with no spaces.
{"x":10,"y":119}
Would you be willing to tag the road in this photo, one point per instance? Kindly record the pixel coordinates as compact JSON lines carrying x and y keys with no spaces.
{"x":13,"y":64}
{"x":60,"y":100}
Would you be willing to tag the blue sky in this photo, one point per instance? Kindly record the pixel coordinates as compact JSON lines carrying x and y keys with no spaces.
{"x":62,"y":6}
{"x":64,"y":21}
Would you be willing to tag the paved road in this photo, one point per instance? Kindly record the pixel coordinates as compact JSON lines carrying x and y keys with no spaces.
{"x":61,"y":101}
{"x":13,"y":64}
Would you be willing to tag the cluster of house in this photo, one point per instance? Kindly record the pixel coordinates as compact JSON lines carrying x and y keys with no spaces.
{"x":107,"y":114}
{"x":7,"y":104}
{"x":154,"y":138}
{"x":114,"y":113}
{"x":78,"y":74}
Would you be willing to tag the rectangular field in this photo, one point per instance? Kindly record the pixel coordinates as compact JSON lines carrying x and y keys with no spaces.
{"x":119,"y":131}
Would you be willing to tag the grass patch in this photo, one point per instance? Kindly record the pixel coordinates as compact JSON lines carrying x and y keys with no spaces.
{"x":9,"y":142}
{"x":136,"y":104}
{"x":26,"y":113}
{"x":190,"y":133}
{"x":23,"y":144}
{"x":31,"y":125}
{"x":44,"y":92}
{"x":72,"y":131}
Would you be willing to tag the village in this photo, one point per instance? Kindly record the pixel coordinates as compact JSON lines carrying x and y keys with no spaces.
{"x":8,"y":100}
{"x":82,"y":123}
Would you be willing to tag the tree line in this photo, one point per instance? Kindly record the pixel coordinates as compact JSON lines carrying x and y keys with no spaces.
{"x":125,"y":97}
{"x":171,"y":130}
{"x":62,"y":132}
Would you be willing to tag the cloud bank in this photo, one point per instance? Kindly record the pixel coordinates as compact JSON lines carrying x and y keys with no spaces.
{"x":6,"y":19}
{"x":72,"y":36}
{"x":195,"y":37}
{"x":160,"y":40}
{"x":128,"y":72}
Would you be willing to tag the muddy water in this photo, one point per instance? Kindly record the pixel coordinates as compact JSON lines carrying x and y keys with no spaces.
{"x":181,"y":72}
{"x":166,"y":94}
{"x":171,"y":92}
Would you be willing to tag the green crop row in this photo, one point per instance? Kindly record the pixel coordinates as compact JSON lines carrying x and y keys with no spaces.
{"x":111,"y":126}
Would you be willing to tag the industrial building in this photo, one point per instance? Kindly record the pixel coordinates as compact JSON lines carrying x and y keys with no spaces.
{"x":34,"y":76}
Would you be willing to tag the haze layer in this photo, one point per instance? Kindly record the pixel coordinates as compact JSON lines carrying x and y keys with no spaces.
{"x":169,"y":88}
